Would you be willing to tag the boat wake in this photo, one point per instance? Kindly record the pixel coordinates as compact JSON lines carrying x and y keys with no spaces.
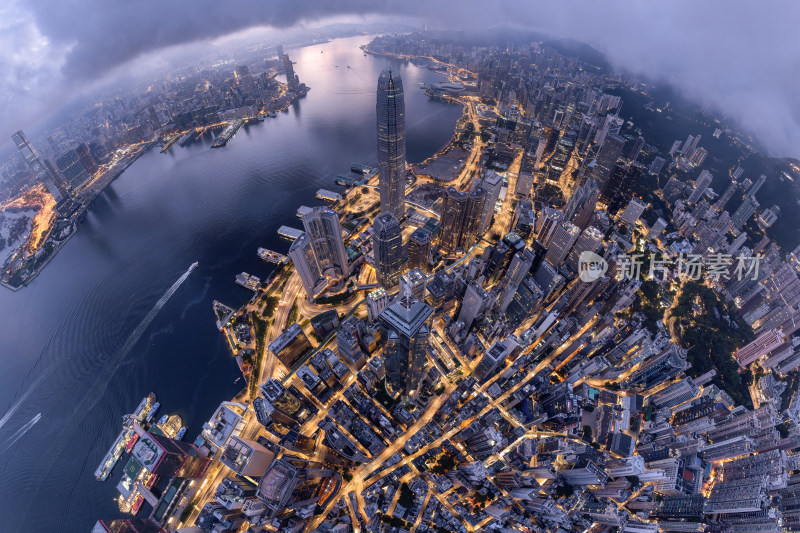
{"x":130,"y":342}
{"x":13,"y":409}
{"x":136,"y":334}
{"x":20,"y":432}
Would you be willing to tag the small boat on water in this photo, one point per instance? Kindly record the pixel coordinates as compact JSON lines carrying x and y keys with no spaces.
{"x":181,"y":432}
{"x":152,"y":412}
{"x":162,"y":420}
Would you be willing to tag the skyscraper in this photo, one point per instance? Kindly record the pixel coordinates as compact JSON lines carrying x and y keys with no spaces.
{"x":70,"y":165}
{"x":582,"y":203}
{"x":41,"y":173}
{"x":322,"y":226}
{"x":391,"y":114}
{"x":564,"y":238}
{"x":86,"y":157}
{"x":301,"y":253}
{"x":492,"y":183}
{"x":606,"y":158}
{"x":757,"y":185}
{"x":548,"y":221}
{"x":472,"y":217}
{"x":407,"y":322}
{"x":719,"y":205}
{"x":419,"y":249}
{"x":454,"y":207}
{"x":700,"y":186}
{"x":474,"y":302}
{"x":633,"y":211}
{"x":745,"y":211}
{"x":387,"y":249}
{"x":616,"y":192}
{"x":589,"y":241}
{"x":517,"y":270}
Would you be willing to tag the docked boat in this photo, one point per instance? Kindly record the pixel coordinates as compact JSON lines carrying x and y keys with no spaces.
{"x":162,"y":420}
{"x":181,"y":432}
{"x":152,"y":412}
{"x":131,"y":442}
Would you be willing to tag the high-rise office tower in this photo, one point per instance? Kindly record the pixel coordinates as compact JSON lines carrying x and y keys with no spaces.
{"x":657,"y":229}
{"x":387,"y":249}
{"x":589,"y":241}
{"x":415,"y":281}
{"x":291,"y":78}
{"x":524,"y":221}
{"x":745,"y":211}
{"x":757,"y":185}
{"x":549,"y":220}
{"x":617,"y":189}
{"x":454,"y":208}
{"x":322,"y":226}
{"x":656,"y":166}
{"x":472,"y":217}
{"x":492,"y":183}
{"x":633,"y":211}
{"x":419,"y":249}
{"x":87,"y":159}
{"x":636,"y":149}
{"x":517,"y":270}
{"x":407,"y":322}
{"x":391,"y":113}
{"x":606,"y":159}
{"x":41,"y":173}
{"x":522,"y":188}
{"x":474,"y":302}
{"x":719,"y":205}
{"x":71,"y":167}
{"x":301,"y":252}
{"x":700,"y":186}
{"x":582,"y":203}
{"x":564,"y":238}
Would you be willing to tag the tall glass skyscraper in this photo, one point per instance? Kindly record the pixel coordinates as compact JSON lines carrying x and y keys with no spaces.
{"x":387,"y":248}
{"x":391,"y":113}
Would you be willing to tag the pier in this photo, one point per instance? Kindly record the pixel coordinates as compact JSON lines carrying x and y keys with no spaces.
{"x":272,"y":257}
{"x":228,"y":133}
{"x":330,"y":196}
{"x":360,"y":168}
{"x":248,"y":281}
{"x":289,"y":233}
{"x":172,"y":140}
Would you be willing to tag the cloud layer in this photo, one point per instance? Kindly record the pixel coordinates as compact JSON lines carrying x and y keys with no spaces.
{"x":738,"y":57}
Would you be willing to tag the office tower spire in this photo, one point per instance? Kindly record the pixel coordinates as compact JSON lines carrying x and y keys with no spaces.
{"x":391,"y":113}
{"x":387,"y":248}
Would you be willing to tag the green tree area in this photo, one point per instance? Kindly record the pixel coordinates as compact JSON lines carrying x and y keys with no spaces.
{"x":711,"y":340}
{"x":444,"y":464}
{"x":293,"y":312}
{"x":337,"y":299}
{"x":406,"y":498}
{"x":649,"y":304}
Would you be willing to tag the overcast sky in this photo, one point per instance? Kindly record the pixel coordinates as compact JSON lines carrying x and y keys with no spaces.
{"x":740,"y":57}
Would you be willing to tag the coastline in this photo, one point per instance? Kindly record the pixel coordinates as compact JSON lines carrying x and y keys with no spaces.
{"x":77,"y":216}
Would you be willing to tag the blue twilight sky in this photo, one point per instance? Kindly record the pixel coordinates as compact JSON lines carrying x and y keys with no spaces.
{"x":741,"y":58}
